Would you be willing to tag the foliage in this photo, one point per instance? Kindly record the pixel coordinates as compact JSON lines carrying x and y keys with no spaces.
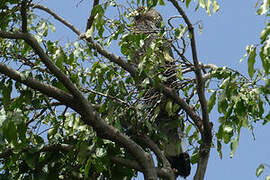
{"x":264,"y":53}
{"x":42,"y":137}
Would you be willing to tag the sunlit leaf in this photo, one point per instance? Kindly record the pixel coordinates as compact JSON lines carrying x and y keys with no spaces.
{"x":187,"y":3}
{"x":259,"y":170}
{"x":264,"y":8}
{"x":234,"y":145}
{"x":212,"y":101}
{"x":251,"y":60}
{"x":215,"y":6}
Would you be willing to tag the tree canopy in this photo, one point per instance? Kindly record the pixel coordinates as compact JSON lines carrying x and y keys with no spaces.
{"x":75,"y":110}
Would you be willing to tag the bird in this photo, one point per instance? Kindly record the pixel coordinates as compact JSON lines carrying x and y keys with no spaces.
{"x":149,"y":23}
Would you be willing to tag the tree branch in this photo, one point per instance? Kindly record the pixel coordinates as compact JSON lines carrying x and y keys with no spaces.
{"x":112,"y":57}
{"x":44,"y":58}
{"x":62,"y":20}
{"x":200,"y":80}
{"x":46,"y":89}
{"x":206,"y":132}
{"x":90,"y":20}
{"x":24,"y":15}
{"x":162,"y":172}
{"x":152,"y":145}
{"x":47,"y":148}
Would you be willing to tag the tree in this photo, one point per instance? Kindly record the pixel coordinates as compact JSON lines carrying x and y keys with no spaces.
{"x":76,"y":110}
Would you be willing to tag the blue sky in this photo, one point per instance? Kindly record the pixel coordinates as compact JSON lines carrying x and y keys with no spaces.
{"x":223,"y":41}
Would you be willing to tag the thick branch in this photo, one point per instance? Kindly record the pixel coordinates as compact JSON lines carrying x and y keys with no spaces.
{"x":189,"y":110}
{"x":162,"y":172}
{"x":153,"y":146}
{"x":206,"y":132}
{"x":109,"y":132}
{"x":90,"y":20}
{"x":46,"y":89}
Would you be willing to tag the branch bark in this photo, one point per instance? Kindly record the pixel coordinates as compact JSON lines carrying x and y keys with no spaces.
{"x":162,"y":172}
{"x":206,"y":131}
{"x":160,"y":155}
{"x":46,"y":89}
{"x":24,"y":15}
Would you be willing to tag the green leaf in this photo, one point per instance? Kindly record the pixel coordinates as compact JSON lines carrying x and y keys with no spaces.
{"x":187,"y":3}
{"x":6,"y":92}
{"x":169,"y":108}
{"x":167,"y":55}
{"x":30,"y":160}
{"x":3,"y":116}
{"x":215,"y":6}
{"x":188,"y":129}
{"x":208,"y":7}
{"x":222,"y":103}
{"x":10,"y":131}
{"x":51,"y":133}
{"x":264,"y":8}
{"x":161,"y":2}
{"x":245,"y":122}
{"x":267,"y":177}
{"x":202,"y":3}
{"x":265,"y":59}
{"x":265,"y":33}
{"x":90,"y":31}
{"x":251,"y":60}
{"x":227,"y":133}
{"x":227,"y":128}
{"x":151,"y":3}
{"x":212,"y":101}
{"x":87,"y":167}
{"x":234,"y":146}
{"x":52,"y":27}
{"x":179,"y":32}
{"x":179,"y":73}
{"x":259,"y":170}
{"x":83,"y":152}
{"x":195,"y":157}
{"x":219,"y":148}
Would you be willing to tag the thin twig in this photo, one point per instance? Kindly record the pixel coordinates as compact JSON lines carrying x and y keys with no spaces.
{"x":105,"y":95}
